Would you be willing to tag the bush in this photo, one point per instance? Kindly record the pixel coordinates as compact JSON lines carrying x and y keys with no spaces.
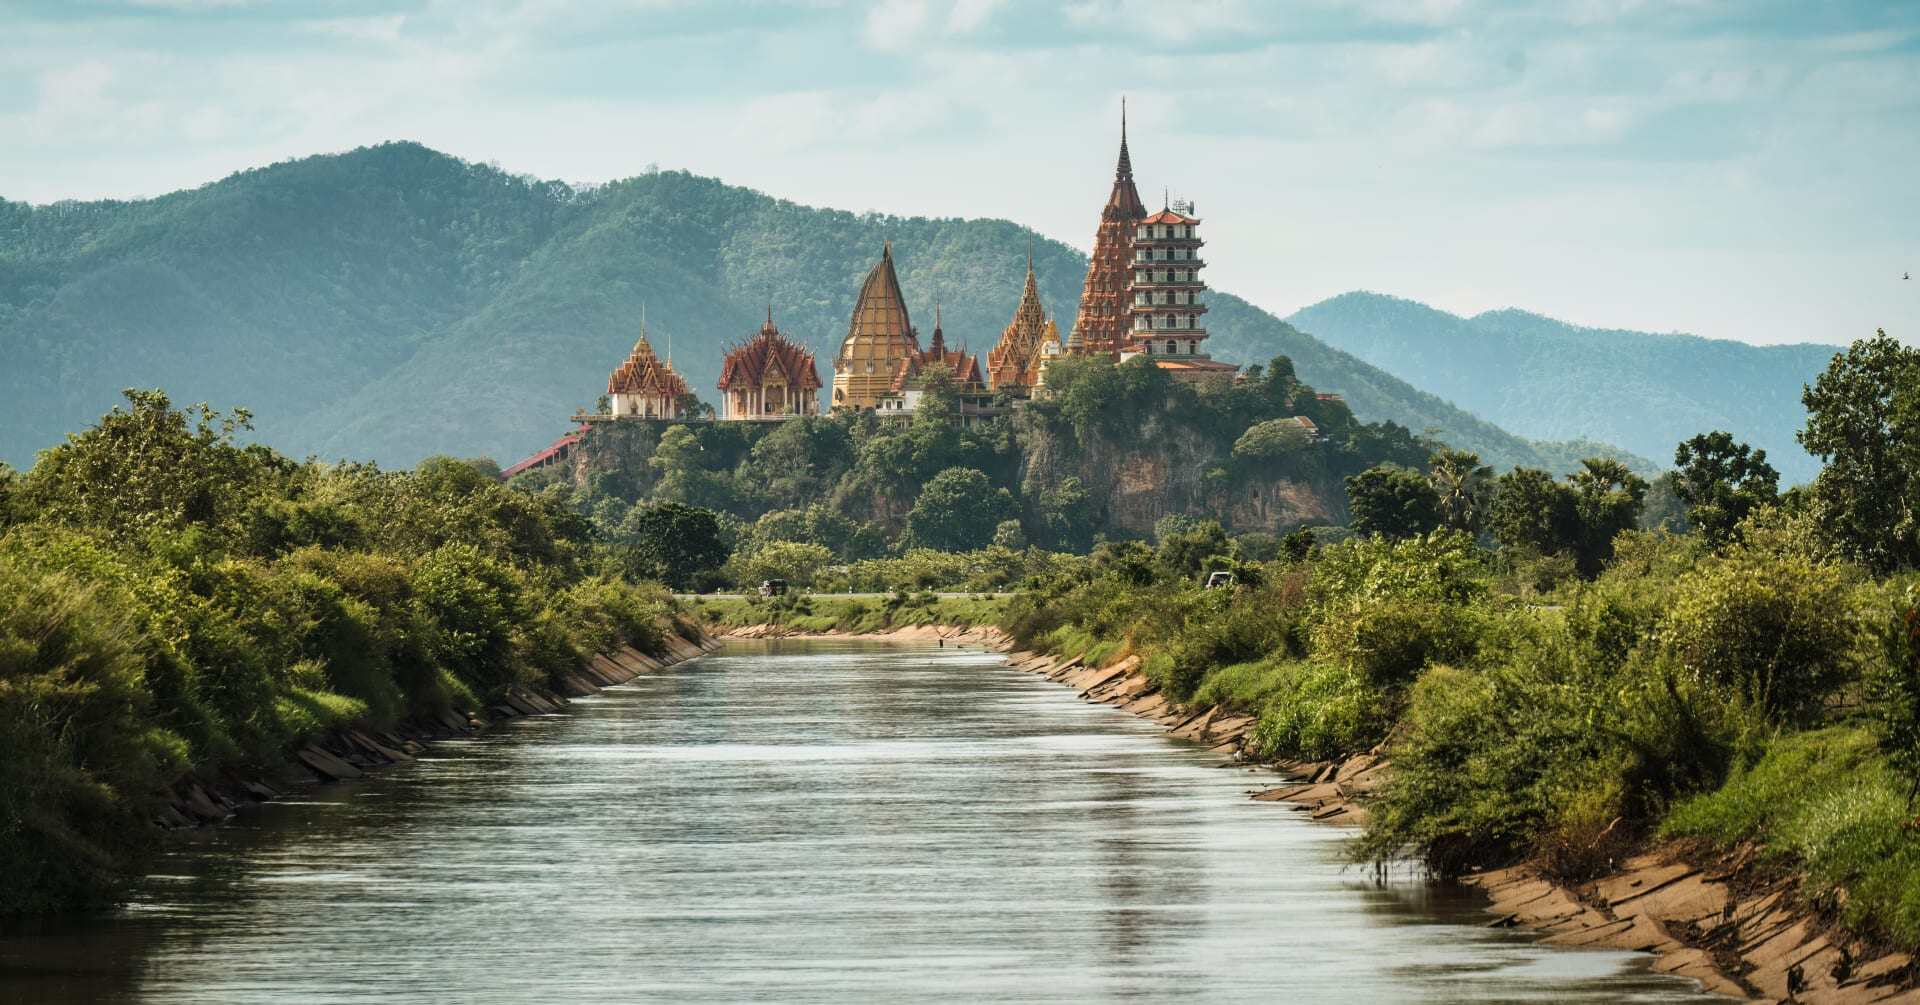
{"x":1783,"y":630}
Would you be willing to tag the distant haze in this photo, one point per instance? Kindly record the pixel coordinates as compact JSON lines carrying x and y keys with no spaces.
{"x":1738,"y":171}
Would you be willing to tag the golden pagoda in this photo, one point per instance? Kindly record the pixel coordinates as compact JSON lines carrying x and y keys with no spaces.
{"x":879,"y":337}
{"x":1010,"y":364}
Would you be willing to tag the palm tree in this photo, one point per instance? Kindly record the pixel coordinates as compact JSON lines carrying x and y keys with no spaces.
{"x":1462,"y":484}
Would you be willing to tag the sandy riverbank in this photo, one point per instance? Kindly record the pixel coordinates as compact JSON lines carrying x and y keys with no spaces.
{"x":1721,"y":920}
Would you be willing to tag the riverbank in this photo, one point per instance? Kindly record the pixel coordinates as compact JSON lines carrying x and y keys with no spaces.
{"x":352,"y":751}
{"x":1723,"y":920}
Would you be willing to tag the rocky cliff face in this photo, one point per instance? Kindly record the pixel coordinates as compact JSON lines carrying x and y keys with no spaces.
{"x":1161,"y":469}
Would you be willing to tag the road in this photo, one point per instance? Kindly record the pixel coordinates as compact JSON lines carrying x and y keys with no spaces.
{"x":850,"y":596}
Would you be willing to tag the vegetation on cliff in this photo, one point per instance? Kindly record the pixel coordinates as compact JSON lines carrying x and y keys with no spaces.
{"x":1564,"y":686}
{"x":175,"y":605}
{"x":1112,"y":451}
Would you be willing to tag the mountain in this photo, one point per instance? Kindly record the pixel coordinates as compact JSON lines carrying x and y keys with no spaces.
{"x":393,"y":302}
{"x":1545,"y":378}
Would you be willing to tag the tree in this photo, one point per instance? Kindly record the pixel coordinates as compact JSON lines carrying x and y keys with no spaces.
{"x":1895,"y":688}
{"x":1531,"y":511}
{"x":1186,"y":546}
{"x":1392,"y":501}
{"x":685,"y":477}
{"x":672,"y":542}
{"x":1722,"y":481}
{"x":1606,"y":500}
{"x":1009,"y":535}
{"x":1065,"y":513}
{"x":958,"y":510}
{"x":1272,"y":441}
{"x":1462,"y":486}
{"x":1863,"y":420}
{"x":796,"y":562}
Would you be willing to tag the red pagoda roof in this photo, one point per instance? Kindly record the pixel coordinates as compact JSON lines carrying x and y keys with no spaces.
{"x":768,"y":352}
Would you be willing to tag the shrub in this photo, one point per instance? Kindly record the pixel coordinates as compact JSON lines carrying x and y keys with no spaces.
{"x":1783,"y":630}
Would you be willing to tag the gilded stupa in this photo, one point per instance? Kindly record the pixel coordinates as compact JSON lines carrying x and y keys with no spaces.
{"x":879,"y":338}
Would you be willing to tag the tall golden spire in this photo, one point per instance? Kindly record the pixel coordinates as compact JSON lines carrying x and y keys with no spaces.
{"x":879,"y":336}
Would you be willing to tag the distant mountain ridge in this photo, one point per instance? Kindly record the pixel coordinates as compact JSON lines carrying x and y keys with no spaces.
{"x":1545,"y":378}
{"x":394,"y":302}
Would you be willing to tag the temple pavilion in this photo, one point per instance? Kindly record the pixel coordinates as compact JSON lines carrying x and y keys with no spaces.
{"x":644,"y":386}
{"x":768,"y":377}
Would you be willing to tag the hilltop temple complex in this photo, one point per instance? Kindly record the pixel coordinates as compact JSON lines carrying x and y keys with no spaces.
{"x":1142,"y":298}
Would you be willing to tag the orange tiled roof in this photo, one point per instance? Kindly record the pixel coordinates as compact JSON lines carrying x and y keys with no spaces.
{"x":643,"y":372}
{"x":766,"y":354}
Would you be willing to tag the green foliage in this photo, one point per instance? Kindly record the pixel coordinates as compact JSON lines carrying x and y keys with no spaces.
{"x":1779,"y":628}
{"x":1273,"y":441}
{"x":796,"y":562}
{"x":1895,"y":689}
{"x":958,"y":510}
{"x":1580,"y":517}
{"x":174,"y":604}
{"x":1722,"y":482}
{"x":1393,"y":501}
{"x":1827,"y":804}
{"x":672,"y":542}
{"x":1463,"y":489}
{"x":1532,"y":512}
{"x":81,"y":759}
{"x":1863,"y":420}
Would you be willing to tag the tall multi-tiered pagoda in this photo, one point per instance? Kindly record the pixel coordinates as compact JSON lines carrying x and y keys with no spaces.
{"x":1165,"y":292}
{"x":879,"y":337}
{"x":1104,"y":319}
{"x":644,"y":386}
{"x":768,"y":377}
{"x":1013,"y":364}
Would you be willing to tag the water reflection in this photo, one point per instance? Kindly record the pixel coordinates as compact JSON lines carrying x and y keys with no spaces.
{"x":801,"y":822}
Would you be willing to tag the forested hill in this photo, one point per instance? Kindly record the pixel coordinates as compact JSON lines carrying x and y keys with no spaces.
{"x":394,"y":302}
{"x":1545,"y":378}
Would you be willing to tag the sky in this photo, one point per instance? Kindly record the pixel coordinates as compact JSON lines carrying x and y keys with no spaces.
{"x":1736,"y":170}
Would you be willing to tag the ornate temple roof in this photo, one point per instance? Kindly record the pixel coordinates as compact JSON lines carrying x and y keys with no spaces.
{"x":964,"y":365}
{"x":880,"y":325}
{"x":644,"y":372}
{"x":1010,"y":363}
{"x":769,"y":355}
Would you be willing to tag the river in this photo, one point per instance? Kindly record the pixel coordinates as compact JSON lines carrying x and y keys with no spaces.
{"x":800,"y":821}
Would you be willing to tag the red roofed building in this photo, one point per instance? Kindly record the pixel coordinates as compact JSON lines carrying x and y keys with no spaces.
{"x":645,"y":386}
{"x":902,"y":396}
{"x":769,"y":377}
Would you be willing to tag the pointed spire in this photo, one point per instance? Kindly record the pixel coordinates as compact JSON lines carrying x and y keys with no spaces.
{"x":1124,"y":172}
{"x":939,"y":347}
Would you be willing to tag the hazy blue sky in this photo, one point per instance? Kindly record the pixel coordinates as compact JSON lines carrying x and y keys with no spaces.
{"x":1741,"y":170}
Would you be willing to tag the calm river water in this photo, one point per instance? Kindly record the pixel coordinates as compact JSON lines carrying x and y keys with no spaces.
{"x":817,"y":821}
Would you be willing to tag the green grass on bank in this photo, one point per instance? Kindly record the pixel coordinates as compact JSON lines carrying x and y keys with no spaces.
{"x":1824,"y":803}
{"x":852,"y":615}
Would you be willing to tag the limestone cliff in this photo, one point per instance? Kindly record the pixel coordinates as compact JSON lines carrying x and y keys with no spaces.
{"x":1160,"y":468}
